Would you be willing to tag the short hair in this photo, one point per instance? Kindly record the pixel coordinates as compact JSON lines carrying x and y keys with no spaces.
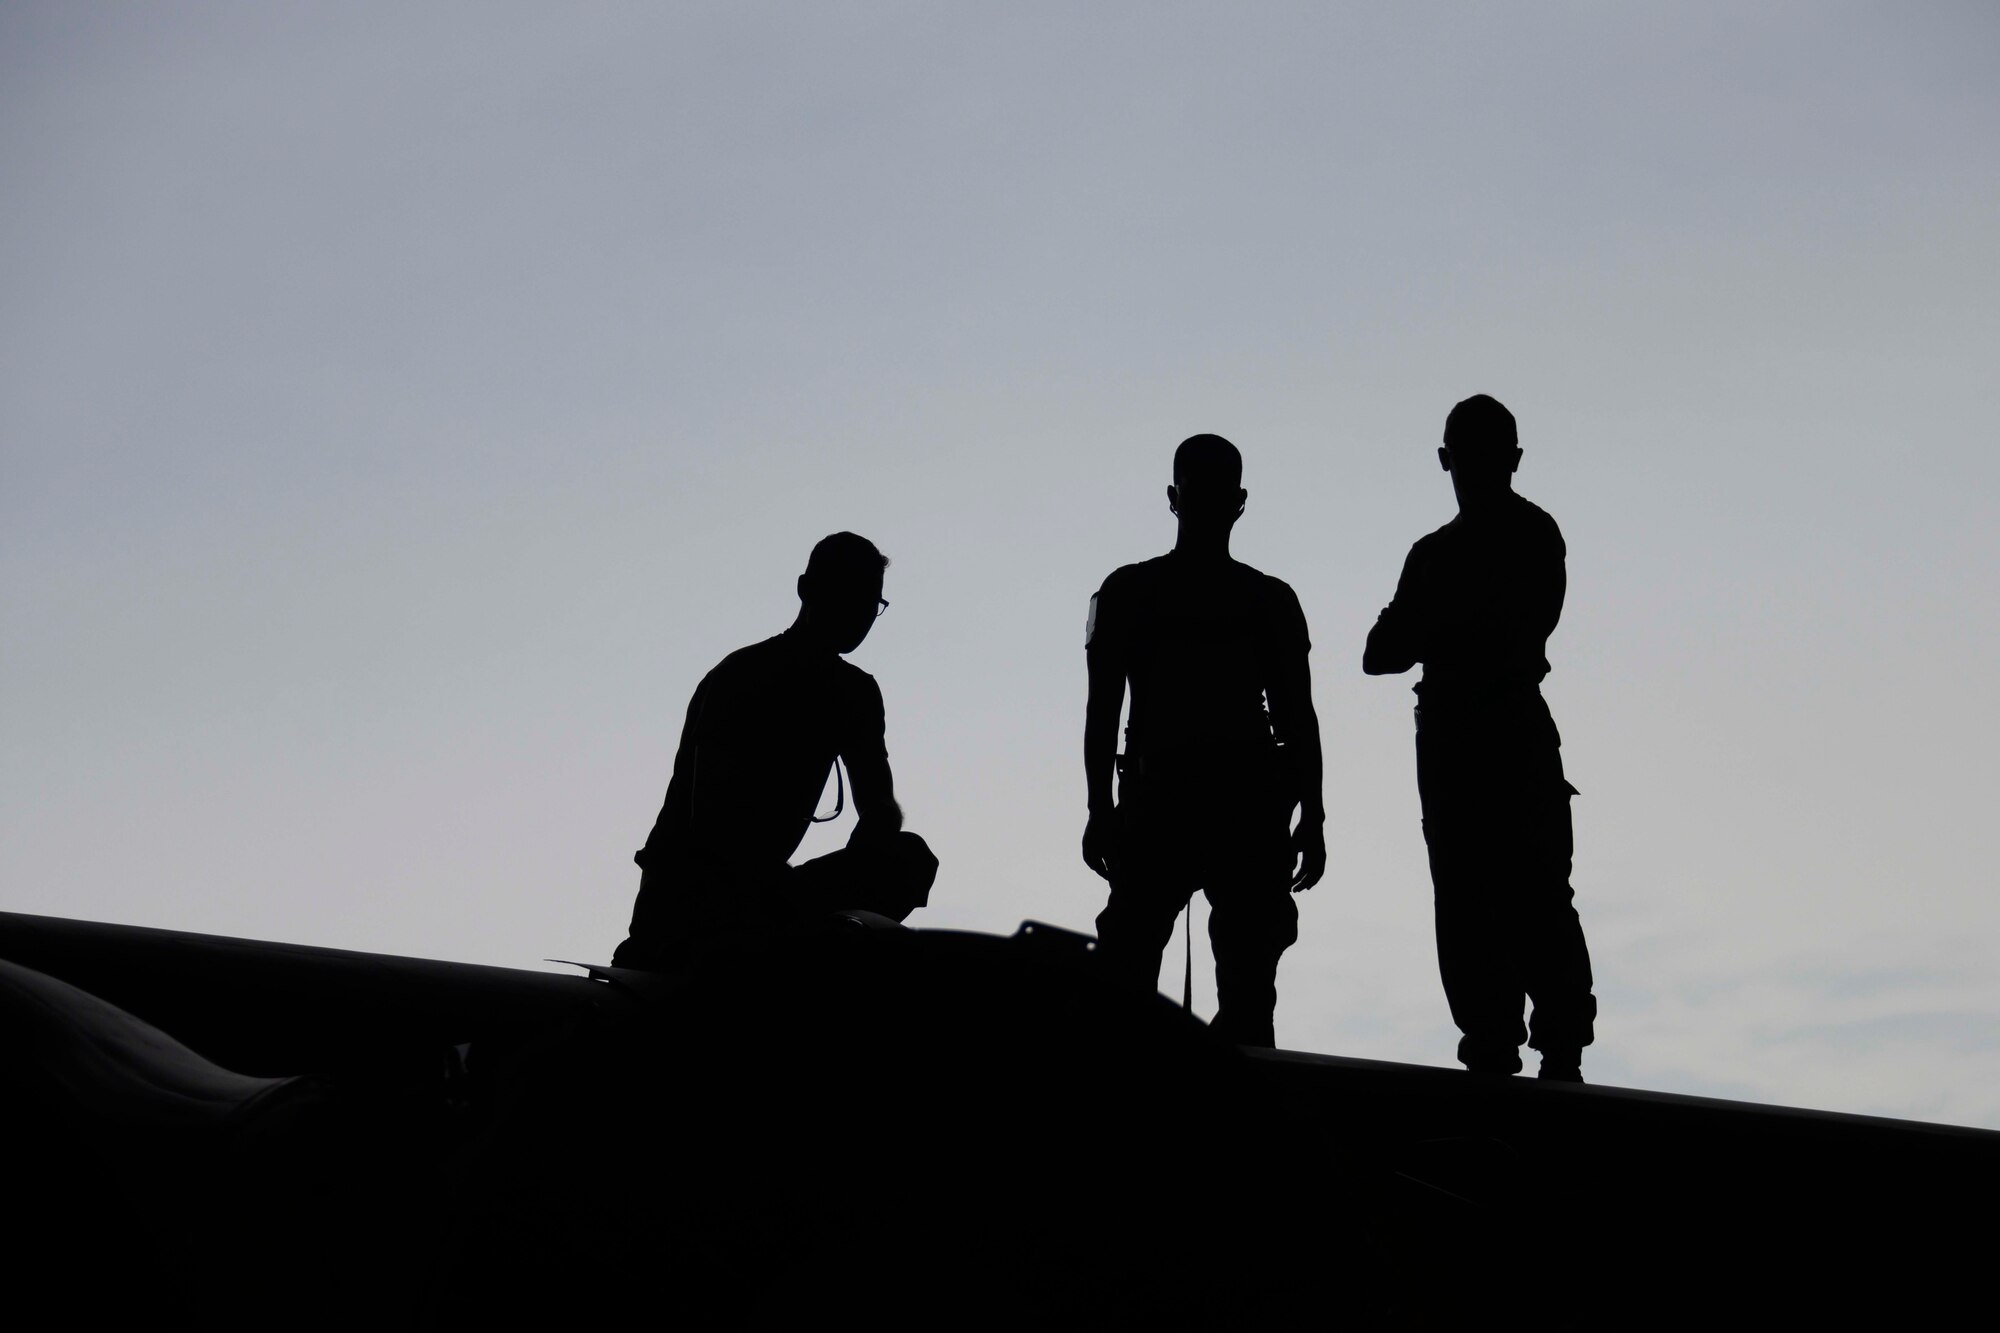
{"x":1208,"y":460}
{"x":1480,"y":425}
{"x":844,"y":557}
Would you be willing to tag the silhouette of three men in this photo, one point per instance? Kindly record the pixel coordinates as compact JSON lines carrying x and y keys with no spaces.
{"x":1221,"y":747}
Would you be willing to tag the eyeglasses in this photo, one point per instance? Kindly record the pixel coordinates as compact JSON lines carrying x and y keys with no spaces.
{"x":881,"y":605}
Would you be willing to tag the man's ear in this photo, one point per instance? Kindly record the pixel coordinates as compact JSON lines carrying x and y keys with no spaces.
{"x":1516,"y":463}
{"x":1242,"y":499}
{"x":802,"y":587}
{"x":1174,"y":499}
{"x":1444,"y":457}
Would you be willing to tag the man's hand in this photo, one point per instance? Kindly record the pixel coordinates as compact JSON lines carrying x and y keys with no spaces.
{"x":1100,"y":837}
{"x":876,"y":828}
{"x":1309,"y":846}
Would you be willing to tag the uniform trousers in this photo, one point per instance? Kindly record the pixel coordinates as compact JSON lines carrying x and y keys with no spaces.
{"x":1496,"y":810}
{"x":1221,"y":825}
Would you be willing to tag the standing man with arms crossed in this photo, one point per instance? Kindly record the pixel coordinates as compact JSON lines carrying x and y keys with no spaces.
{"x":1476,"y":604}
{"x":1210,"y":776}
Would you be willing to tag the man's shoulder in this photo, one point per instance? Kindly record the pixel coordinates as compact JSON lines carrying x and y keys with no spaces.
{"x":1128,"y":589}
{"x":1256,"y":587}
{"x":856,"y":697}
{"x":751,"y":659}
{"x":781,"y":663}
{"x":1122,"y":599}
{"x":1147,"y":577}
{"x":1441,"y":535}
{"x":775,"y":669}
{"x":853,"y":677}
{"x":733,"y":687}
{"x":1270,"y":585}
{"x":1278,"y":601}
{"x":1536,"y":520}
{"x":1515,"y":518}
{"x":1132,"y":577}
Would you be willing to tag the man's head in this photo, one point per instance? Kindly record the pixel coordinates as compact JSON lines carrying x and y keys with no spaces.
{"x":1481,"y":448}
{"x":1208,"y":482}
{"x":840,"y":594}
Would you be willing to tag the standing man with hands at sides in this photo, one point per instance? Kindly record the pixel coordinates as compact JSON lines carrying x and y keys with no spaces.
{"x":1221,"y":746}
{"x":764,"y":730}
{"x":1476,"y":603}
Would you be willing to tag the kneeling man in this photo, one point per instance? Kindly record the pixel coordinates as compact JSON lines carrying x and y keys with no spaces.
{"x":763,"y":731}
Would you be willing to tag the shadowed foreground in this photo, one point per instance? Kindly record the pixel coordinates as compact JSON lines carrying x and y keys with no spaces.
{"x":901,"y":1126}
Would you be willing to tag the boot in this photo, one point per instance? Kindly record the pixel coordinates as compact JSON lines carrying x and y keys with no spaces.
{"x":1565,"y":1066}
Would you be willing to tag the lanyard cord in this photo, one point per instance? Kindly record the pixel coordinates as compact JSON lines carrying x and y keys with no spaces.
{"x":1187,"y":938}
{"x":839,"y":795}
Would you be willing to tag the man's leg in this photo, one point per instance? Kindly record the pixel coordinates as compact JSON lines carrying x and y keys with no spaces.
{"x":642,"y":950}
{"x":1474,"y":959}
{"x":1485,"y":995}
{"x":892,"y":876}
{"x":683,"y":906}
{"x":640,"y":953}
{"x":1135,"y":925}
{"x":1549,"y":943}
{"x":1253,"y":917}
{"x":1249,"y":928}
{"x":1149,"y":887}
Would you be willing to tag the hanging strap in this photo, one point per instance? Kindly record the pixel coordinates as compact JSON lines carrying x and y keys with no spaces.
{"x":839,"y":796}
{"x":1187,"y":938}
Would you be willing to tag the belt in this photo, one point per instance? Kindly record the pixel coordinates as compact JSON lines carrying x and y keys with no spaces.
{"x":1179,"y":763}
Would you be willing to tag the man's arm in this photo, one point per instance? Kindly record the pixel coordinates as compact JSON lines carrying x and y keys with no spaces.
{"x":723,"y":777}
{"x":1396,"y":643}
{"x":1100,"y":742}
{"x":1295,"y":724}
{"x":876,"y":813}
{"x":673,"y":820}
{"x":1551,"y":587}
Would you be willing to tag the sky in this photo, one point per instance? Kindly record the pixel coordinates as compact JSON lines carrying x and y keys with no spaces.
{"x":402,"y":407}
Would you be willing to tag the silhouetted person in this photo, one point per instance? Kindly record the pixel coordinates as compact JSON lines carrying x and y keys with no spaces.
{"x":1476,"y":604}
{"x":763,"y":731}
{"x":1210,"y":775}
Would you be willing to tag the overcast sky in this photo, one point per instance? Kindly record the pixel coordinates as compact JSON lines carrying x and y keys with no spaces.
{"x":402,"y":407}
